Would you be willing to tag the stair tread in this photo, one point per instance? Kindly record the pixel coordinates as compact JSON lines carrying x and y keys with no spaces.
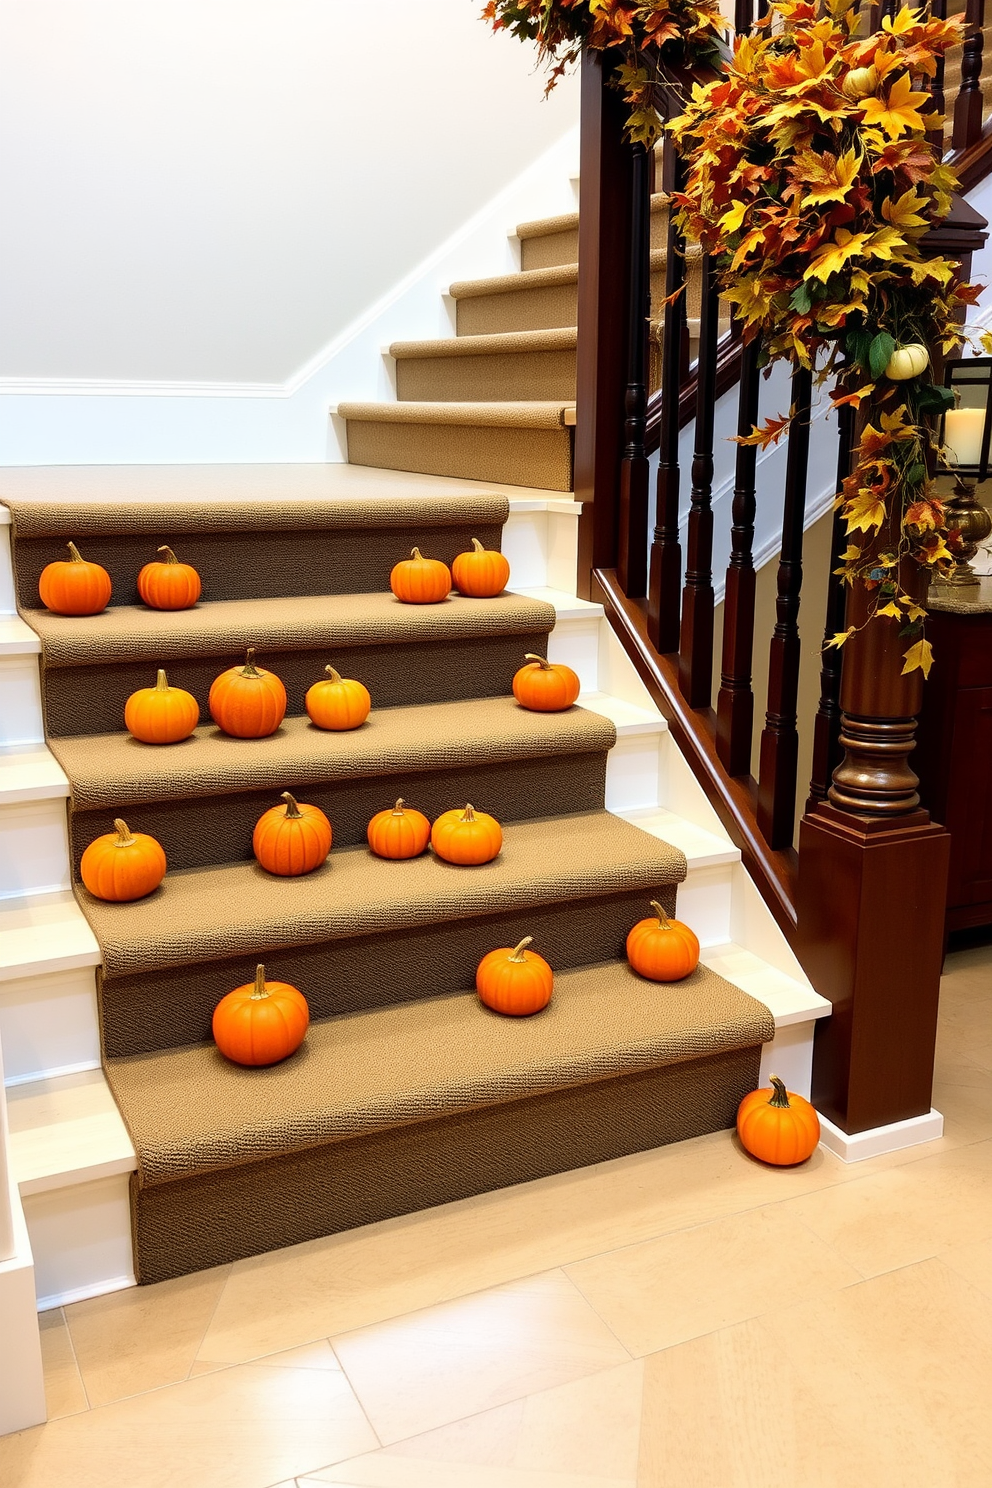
{"x":495,"y":343}
{"x":550,"y":278}
{"x":490,"y":414}
{"x":44,"y":933}
{"x":545,"y":227}
{"x":65,"y":1130}
{"x":240,"y":909}
{"x":347,"y":508}
{"x":114,"y":770}
{"x":788,"y":999}
{"x":190,"y":1111}
{"x":132,"y":632}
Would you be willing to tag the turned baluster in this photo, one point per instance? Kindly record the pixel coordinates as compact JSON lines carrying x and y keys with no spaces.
{"x":696,"y":633}
{"x":735,"y":700}
{"x":826,"y":725}
{"x":632,"y":557}
{"x":665,"y":583}
{"x":779,"y":752}
{"x":968,"y":104}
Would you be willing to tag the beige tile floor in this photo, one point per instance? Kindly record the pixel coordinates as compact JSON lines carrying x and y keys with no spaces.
{"x":683,"y":1316}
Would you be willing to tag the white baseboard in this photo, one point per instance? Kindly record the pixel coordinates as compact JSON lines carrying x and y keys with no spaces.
{"x":880,"y":1139}
{"x":83,"y":1293}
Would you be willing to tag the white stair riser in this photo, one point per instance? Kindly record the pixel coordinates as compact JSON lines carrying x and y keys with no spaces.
{"x":7,"y":602}
{"x":81,"y":1239}
{"x":49,"y":1025}
{"x":542,"y":548}
{"x":34,"y":854}
{"x":790,"y":1056}
{"x":632,"y":768}
{"x":705,"y":902}
{"x":20,"y":701}
{"x":575,"y":643}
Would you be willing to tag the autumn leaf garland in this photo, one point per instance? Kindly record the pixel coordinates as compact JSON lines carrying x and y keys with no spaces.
{"x":812,"y":180}
{"x":644,"y":32}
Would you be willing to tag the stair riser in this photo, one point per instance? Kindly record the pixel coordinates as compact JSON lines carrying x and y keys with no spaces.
{"x":394,"y":674}
{"x":258,"y":565}
{"x":48,"y":1025}
{"x":164,"y":1009}
{"x":519,"y":376}
{"x":20,"y":689}
{"x":790,"y":1056}
{"x":515,"y":457}
{"x":542,"y":548}
{"x":550,"y":251}
{"x":187,"y":1225}
{"x":33,"y":848}
{"x":81,"y":1240}
{"x":543,"y":308}
{"x":208,"y":830}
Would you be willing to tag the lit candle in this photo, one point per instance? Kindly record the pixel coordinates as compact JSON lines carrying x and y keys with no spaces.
{"x":963,"y":430}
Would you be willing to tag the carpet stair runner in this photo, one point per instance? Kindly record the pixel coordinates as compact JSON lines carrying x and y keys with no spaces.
{"x":407,"y":1092}
{"x":496,"y":401}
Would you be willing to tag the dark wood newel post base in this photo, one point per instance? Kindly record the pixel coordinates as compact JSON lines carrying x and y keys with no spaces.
{"x":871,"y":916}
{"x":875,"y":776}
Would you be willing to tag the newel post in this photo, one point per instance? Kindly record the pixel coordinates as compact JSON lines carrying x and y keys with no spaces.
{"x":873,"y":867}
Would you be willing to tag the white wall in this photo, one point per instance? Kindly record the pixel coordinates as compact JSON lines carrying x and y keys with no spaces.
{"x":203,"y":198}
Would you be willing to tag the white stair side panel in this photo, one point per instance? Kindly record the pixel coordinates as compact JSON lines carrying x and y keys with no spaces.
{"x":617,"y":675}
{"x":20,"y":699}
{"x":22,"y":1383}
{"x":563,"y":544}
{"x":755,"y":927}
{"x":49,"y":1025}
{"x":81,"y":1239}
{"x":7,"y":602}
{"x":34,"y":856}
{"x":790,"y":1056}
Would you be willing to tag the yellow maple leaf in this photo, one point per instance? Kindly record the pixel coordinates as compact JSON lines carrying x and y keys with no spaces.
{"x":903,"y":212}
{"x":882,"y":244}
{"x":890,"y":609}
{"x":826,"y":178}
{"x":840,"y":637}
{"x":900,"y":111}
{"x":906,"y":20}
{"x":833,"y":256}
{"x":731,"y":221}
{"x":864,"y":512}
{"x":913,"y":611}
{"x":918,"y":658}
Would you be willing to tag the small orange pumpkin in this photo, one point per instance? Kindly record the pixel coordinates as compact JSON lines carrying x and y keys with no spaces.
{"x":291,"y":839}
{"x":419,"y":580}
{"x":74,"y":586}
{"x":545,"y":686}
{"x":161,"y":714}
{"x":468,"y":837}
{"x":339,"y":703}
{"x":122,"y":865}
{"x":777,"y":1125}
{"x":247,"y":701}
{"x":261,"y":1022}
{"x":481,"y":574}
{"x":169,"y":585}
{"x":661,"y":949}
{"x":399,"y":832}
{"x":516,"y":982}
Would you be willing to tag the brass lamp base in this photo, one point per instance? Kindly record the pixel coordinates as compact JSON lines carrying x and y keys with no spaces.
{"x":972,"y":521}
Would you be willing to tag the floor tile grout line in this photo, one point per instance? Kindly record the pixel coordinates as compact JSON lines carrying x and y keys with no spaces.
{"x":75,"y":1360}
{"x":206,"y":1326}
{"x":354,"y":1390}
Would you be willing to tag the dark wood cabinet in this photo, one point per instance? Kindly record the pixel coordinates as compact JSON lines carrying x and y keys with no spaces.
{"x":954,"y":755}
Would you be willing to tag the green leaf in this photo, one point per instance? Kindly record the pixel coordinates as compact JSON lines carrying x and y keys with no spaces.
{"x":915,"y":474}
{"x":857,"y":344}
{"x":882,"y":348}
{"x":932,"y":398}
{"x":800,"y":300}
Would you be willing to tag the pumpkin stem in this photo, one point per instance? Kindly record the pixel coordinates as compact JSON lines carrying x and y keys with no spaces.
{"x":170,"y":556}
{"x":542,"y":661}
{"x":161,"y":681}
{"x":781,"y":1095}
{"x":517,"y":954}
{"x":398,"y":808}
{"x":416,"y":553}
{"x":292,"y":806}
{"x":334,"y":675}
{"x":260,"y":988}
{"x":663,"y":920}
{"x":468,"y":815}
{"x":124,"y":837}
{"x":477,"y":545}
{"x":74,"y":554}
{"x":250,"y":669}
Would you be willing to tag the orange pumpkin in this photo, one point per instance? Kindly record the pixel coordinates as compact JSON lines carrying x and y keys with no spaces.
{"x":161,"y":714}
{"x":169,"y":585}
{"x":661,"y":949}
{"x":247,"y":701}
{"x":74,"y":586}
{"x":122,"y":865}
{"x":419,"y":580}
{"x":777,"y":1125}
{"x":468,"y":837}
{"x":399,"y":832}
{"x":545,"y":686}
{"x":517,"y":982}
{"x":261,"y":1022}
{"x":339,"y":703}
{"x":291,"y":839}
{"x":481,"y":574}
